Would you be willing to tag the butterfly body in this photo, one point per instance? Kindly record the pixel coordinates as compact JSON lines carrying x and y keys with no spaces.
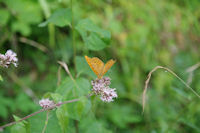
{"x":98,"y":67}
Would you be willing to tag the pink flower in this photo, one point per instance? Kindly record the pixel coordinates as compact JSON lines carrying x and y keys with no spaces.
{"x":101,"y":87}
{"x":108,"y":94}
{"x":10,"y":57}
{"x":46,"y":103}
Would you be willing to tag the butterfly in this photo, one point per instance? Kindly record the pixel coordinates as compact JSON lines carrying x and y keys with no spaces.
{"x":98,"y":67}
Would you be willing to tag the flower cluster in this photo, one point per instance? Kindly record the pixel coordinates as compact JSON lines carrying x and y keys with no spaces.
{"x":10,"y":57}
{"x":46,"y":103}
{"x":101,"y":87}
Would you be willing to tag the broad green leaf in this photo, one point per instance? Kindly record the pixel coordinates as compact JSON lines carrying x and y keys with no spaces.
{"x":4,"y":17}
{"x":21,"y":127}
{"x":63,"y":119}
{"x":83,"y":86}
{"x":47,"y":95}
{"x":65,"y":88}
{"x":61,"y":17}
{"x":37,"y":123}
{"x":79,"y":109}
{"x":70,"y":90}
{"x":83,"y":106}
{"x":56,"y":97}
{"x":94,"y":37}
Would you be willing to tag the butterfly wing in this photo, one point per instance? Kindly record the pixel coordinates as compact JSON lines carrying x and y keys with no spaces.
{"x":107,"y":66}
{"x":96,"y":65}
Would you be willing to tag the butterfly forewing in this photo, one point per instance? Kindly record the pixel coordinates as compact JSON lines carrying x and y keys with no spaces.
{"x":107,"y":66}
{"x":96,"y":65}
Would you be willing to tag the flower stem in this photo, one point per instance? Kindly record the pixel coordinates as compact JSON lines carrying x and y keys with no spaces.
{"x":42,"y":110}
{"x":46,"y":122}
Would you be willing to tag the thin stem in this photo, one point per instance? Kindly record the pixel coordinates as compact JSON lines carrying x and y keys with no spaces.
{"x":149,"y":77}
{"x":73,"y":36}
{"x":42,"y":110}
{"x":46,"y":122}
{"x":64,"y":65}
{"x":59,"y":76}
{"x":33,"y":43}
{"x":51,"y":29}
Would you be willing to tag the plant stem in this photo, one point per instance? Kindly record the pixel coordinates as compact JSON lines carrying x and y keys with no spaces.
{"x":170,"y":71}
{"x":46,"y":122}
{"x":73,"y":37}
{"x":42,"y":110}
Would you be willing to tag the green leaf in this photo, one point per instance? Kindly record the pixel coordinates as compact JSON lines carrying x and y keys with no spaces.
{"x":61,"y":17}
{"x":65,"y":88}
{"x":83,"y":86}
{"x":37,"y":123}
{"x":94,"y":37}
{"x":78,"y":109}
{"x":63,"y":119}
{"x":82,"y":106}
{"x":4,"y":17}
{"x":70,"y":90}
{"x":21,"y":127}
{"x":56,"y":97}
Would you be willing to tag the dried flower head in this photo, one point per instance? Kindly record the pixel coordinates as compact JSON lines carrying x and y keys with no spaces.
{"x":101,"y":87}
{"x":46,"y":103}
{"x":10,"y":57}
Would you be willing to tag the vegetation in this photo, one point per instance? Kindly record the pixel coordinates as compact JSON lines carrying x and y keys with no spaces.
{"x":138,"y":34}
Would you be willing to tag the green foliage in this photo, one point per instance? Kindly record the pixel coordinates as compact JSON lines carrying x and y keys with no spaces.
{"x":145,"y":33}
{"x":37,"y":123}
{"x":61,"y":17}
{"x":4,"y":17}
{"x":22,"y":127}
{"x":94,"y":37}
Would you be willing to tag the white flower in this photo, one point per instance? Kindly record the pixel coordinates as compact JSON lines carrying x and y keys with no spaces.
{"x":101,"y":87}
{"x":45,"y":103}
{"x":108,"y":94}
{"x":10,"y":57}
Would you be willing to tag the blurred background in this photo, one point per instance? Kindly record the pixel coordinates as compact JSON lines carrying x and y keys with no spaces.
{"x":144,"y":34}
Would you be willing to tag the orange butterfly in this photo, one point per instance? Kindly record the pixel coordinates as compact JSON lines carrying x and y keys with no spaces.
{"x":98,"y":67}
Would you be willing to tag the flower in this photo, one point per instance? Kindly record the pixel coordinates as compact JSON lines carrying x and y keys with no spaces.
{"x":101,"y":87}
{"x":10,"y":57}
{"x":98,"y":86}
{"x":108,"y":94}
{"x":46,"y":103}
